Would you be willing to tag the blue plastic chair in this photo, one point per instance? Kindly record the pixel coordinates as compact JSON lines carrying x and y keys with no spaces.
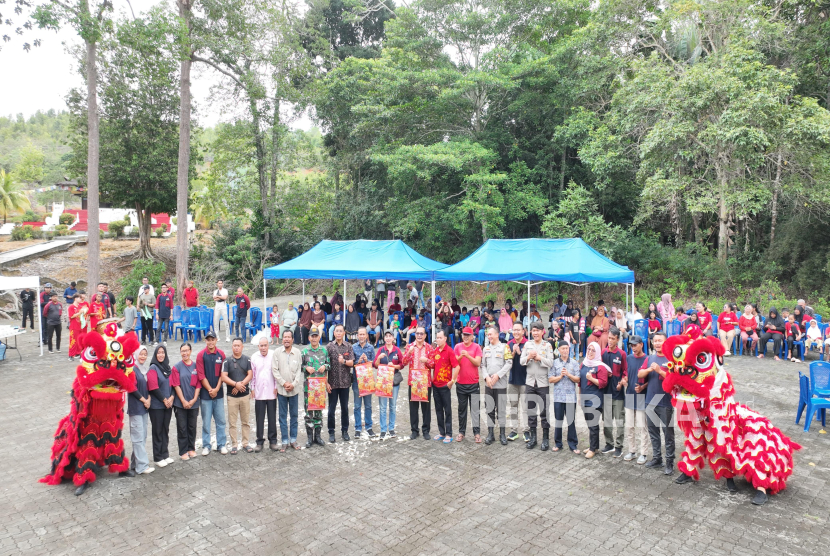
{"x":641,"y":330}
{"x":155,"y":321}
{"x":175,"y":319}
{"x":190,"y":323}
{"x":255,"y":325}
{"x":818,"y":318}
{"x":184,"y":319}
{"x":674,"y":328}
{"x":819,"y":397}
{"x":205,"y":322}
{"x":804,"y":401}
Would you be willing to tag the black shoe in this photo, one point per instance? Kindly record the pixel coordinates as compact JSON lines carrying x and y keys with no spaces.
{"x":370,"y":433}
{"x":382,"y":435}
{"x":331,"y":438}
{"x":731,"y":486}
{"x":356,"y":434}
{"x":127,"y":473}
{"x":683,"y":479}
{"x":512,"y":436}
{"x":618,"y":453}
{"x":346,"y":436}
{"x":759,"y":499}
{"x":392,"y":434}
{"x":526,"y":436}
{"x":608,"y":449}
{"x":532,"y":442}
{"x":654,"y":463}
{"x":490,"y":436}
{"x":413,"y":436}
{"x":502,"y":437}
{"x":669,"y":469}
{"x":81,"y":489}
{"x":545,"y":440}
{"x":318,"y":437}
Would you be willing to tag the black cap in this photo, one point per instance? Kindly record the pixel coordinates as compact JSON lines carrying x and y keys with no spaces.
{"x":210,"y":334}
{"x":563,"y":343}
{"x":634,"y":339}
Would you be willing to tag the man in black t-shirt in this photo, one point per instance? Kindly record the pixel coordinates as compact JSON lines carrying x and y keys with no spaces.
{"x":237,"y":373}
{"x":27,"y":301}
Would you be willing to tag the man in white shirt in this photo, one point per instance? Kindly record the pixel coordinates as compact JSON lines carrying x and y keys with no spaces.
{"x":220,"y":309}
{"x":289,"y":318}
{"x":145,"y":282}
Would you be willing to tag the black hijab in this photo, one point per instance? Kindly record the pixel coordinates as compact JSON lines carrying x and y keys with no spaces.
{"x":163,"y":366}
{"x":352,"y":320}
{"x":798,"y":313}
{"x":777,"y":321}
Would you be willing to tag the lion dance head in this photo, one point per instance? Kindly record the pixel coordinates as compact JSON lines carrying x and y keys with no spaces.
{"x":106,"y":367}
{"x":693,"y":363}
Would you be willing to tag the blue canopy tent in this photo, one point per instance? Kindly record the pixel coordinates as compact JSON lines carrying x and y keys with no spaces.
{"x":356,"y":259}
{"x":534,"y":261}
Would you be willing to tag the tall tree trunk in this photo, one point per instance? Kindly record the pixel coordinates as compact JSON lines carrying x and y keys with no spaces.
{"x":675,"y":219}
{"x":562,"y":169}
{"x":145,"y":219}
{"x":93,"y":246}
{"x":261,"y":163}
{"x":275,"y":163}
{"x":723,"y":222}
{"x":182,"y":176}
{"x":776,"y":189}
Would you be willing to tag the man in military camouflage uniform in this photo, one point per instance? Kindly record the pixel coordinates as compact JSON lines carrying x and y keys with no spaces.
{"x":315,"y":364}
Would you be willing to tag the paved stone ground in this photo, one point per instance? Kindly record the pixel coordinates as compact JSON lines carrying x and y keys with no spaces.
{"x":398,"y":497}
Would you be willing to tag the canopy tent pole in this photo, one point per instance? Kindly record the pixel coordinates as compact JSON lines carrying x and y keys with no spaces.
{"x":632,"y":298}
{"x":626,"y":295}
{"x":433,"y":311}
{"x":344,"y":303}
{"x":303,"y":281}
{"x":264,"y":295}
{"x":528,"y":305}
{"x":39,"y":319}
{"x":586,"y":299}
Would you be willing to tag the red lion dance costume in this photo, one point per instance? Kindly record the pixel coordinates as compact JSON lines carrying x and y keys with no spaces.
{"x":730,"y":437}
{"x":89,"y":438}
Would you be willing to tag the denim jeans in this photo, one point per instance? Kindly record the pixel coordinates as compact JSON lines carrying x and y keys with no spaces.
{"x":213,"y":408}
{"x":388,"y":405}
{"x":162,"y":330}
{"x":366,"y":403}
{"x":288,"y":408}
{"x":239,"y":324}
{"x":138,"y":436}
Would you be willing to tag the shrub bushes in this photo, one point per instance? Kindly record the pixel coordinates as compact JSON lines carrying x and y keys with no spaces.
{"x":66,"y":218}
{"x":117,"y":227}
{"x":30,"y":216}
{"x":21,"y":233}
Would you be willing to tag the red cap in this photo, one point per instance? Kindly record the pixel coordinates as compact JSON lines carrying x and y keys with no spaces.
{"x":467,"y":330}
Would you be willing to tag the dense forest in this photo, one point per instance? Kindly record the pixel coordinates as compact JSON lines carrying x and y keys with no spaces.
{"x":687,"y":140}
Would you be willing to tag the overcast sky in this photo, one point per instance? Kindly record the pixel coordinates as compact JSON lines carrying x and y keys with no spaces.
{"x":41,"y":78}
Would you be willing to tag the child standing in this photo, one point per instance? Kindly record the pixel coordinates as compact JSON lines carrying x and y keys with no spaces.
{"x":275,"y":324}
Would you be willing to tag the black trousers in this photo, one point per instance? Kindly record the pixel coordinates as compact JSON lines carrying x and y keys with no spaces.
{"x":425,"y":416}
{"x":30,"y":311}
{"x":776,"y":346}
{"x":160,"y":425}
{"x":442,"y":397}
{"x":565,"y":413}
{"x":495,"y":402}
{"x":538,"y":396}
{"x":43,"y":330}
{"x":185,"y":429}
{"x":662,"y":422}
{"x":261,"y":407}
{"x":790,"y":341}
{"x":146,"y":329}
{"x":56,"y":328}
{"x":469,"y":395}
{"x":339,"y":395}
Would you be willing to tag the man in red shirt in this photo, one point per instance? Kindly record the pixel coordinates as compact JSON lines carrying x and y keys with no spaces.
{"x":419,"y":357}
{"x":444,"y":372}
{"x":243,"y":303}
{"x":190,"y":296}
{"x":396,"y":306}
{"x":467,"y":388}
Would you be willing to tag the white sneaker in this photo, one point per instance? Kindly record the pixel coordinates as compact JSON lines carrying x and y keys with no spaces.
{"x":205,"y":451}
{"x":642,"y":459}
{"x":228,"y":339}
{"x":728,"y":352}
{"x":223,"y":451}
{"x":147,"y":471}
{"x":162,"y":463}
{"x":170,"y":460}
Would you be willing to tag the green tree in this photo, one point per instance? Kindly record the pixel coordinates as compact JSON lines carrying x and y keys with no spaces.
{"x":12,"y":198}
{"x":29,"y":168}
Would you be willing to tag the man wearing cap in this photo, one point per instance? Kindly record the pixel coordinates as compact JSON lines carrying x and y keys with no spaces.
{"x":444,"y":373}
{"x":287,"y":369}
{"x":538,"y":356}
{"x":220,"y":308}
{"x":69,"y":293}
{"x":209,"y":363}
{"x":496,"y":361}
{"x":419,"y":357}
{"x":45,"y":297}
{"x":146,"y":304}
{"x":290,"y":318}
{"x":467,"y":388}
{"x":341,"y":359}
{"x":516,"y":384}
{"x":564,"y":375}
{"x":362,"y":352}
{"x":237,"y":374}
{"x":636,"y":434}
{"x":317,"y":364}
